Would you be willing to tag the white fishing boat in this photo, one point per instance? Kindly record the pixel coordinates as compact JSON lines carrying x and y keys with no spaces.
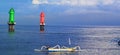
{"x":57,"y":48}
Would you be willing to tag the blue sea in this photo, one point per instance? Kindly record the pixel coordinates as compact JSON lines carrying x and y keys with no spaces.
{"x":94,"y":40}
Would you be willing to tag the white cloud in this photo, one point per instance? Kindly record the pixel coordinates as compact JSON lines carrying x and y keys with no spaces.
{"x":82,"y":11}
{"x":39,"y":2}
{"x":35,"y":2}
{"x":107,"y":2}
{"x":83,"y":6}
{"x":88,"y":2}
{"x":74,"y":2}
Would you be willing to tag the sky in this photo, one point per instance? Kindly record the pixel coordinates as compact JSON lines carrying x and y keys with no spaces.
{"x":62,"y":12}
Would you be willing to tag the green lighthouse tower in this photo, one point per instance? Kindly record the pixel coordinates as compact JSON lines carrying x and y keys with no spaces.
{"x":11,"y":22}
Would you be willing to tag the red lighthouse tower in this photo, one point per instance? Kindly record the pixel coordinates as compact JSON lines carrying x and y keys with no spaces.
{"x":42,"y":18}
{"x":42,"y":21}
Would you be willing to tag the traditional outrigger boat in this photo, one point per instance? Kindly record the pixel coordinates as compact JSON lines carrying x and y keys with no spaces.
{"x":57,"y":48}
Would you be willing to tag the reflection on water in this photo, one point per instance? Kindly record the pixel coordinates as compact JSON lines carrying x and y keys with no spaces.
{"x":11,"y":33}
{"x":60,"y":53}
{"x":55,"y":53}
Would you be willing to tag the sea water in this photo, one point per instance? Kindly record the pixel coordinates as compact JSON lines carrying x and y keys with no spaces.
{"x":94,"y":40}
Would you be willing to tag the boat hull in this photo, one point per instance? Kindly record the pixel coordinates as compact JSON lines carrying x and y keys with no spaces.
{"x":60,"y":50}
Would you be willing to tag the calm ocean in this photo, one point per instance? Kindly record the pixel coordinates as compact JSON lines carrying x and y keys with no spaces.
{"x":95,"y":40}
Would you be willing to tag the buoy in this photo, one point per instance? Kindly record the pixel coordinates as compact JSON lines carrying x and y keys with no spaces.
{"x":42,"y":21}
{"x":11,"y":22}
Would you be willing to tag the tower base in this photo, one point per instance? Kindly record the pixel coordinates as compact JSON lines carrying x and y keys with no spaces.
{"x":41,"y":27}
{"x":11,"y":28}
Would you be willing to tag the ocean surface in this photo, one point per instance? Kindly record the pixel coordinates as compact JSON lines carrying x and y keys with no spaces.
{"x":93,"y":40}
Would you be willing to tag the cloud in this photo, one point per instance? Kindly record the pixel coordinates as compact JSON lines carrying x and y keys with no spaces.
{"x":39,"y":2}
{"x":108,"y":2}
{"x":87,"y":2}
{"x":80,"y":6}
{"x":83,"y":11}
{"x":67,"y":2}
{"x":35,"y":2}
{"x":74,"y":2}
